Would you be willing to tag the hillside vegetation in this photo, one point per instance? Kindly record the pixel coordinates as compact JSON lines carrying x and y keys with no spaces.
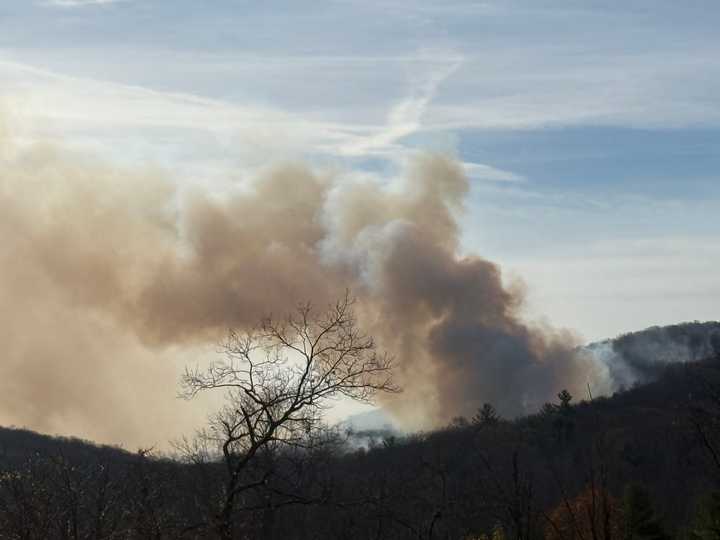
{"x":642,"y":463}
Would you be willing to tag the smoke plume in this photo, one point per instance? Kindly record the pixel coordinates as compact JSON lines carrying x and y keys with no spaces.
{"x":107,"y":275}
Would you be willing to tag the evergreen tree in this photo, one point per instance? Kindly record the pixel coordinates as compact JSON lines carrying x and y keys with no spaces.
{"x":563,"y":422}
{"x":486,"y":416}
{"x":565,"y":398}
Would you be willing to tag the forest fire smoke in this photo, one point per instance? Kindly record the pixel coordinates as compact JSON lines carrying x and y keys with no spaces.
{"x":104,"y":273}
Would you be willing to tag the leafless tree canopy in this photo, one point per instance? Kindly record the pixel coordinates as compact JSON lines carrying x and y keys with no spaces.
{"x":279,"y":379}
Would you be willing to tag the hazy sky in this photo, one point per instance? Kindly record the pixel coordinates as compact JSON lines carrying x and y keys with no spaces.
{"x":590,"y":129}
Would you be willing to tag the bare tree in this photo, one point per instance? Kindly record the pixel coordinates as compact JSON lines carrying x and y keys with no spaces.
{"x":278,"y":381}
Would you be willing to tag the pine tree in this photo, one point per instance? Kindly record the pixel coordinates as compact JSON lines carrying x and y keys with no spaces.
{"x":563,"y":422}
{"x":565,"y":398}
{"x":486,"y":416}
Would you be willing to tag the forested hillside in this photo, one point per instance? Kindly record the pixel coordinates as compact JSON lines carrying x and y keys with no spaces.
{"x":643,"y":463}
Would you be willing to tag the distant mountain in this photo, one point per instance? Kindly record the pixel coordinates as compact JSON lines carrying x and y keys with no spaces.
{"x":376,"y":419}
{"x":370,"y":428}
{"x":640,"y":357}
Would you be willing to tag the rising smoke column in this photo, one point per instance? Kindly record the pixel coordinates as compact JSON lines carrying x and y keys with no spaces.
{"x":107,"y":273}
{"x":455,"y":328}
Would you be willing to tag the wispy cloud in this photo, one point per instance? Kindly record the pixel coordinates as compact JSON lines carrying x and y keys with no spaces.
{"x":95,"y":111}
{"x":481,"y":171}
{"x":405,"y":117}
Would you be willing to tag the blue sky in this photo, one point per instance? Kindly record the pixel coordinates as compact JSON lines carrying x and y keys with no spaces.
{"x":591,"y":130}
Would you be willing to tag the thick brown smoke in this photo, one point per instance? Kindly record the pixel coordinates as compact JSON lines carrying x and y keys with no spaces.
{"x":106,"y":274}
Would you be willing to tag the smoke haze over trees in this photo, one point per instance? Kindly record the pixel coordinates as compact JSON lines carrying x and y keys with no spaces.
{"x":111,"y":271}
{"x":123,"y":270}
{"x":579,"y":469}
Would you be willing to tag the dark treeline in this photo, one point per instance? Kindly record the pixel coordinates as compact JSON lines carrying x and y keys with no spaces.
{"x":643,"y":463}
